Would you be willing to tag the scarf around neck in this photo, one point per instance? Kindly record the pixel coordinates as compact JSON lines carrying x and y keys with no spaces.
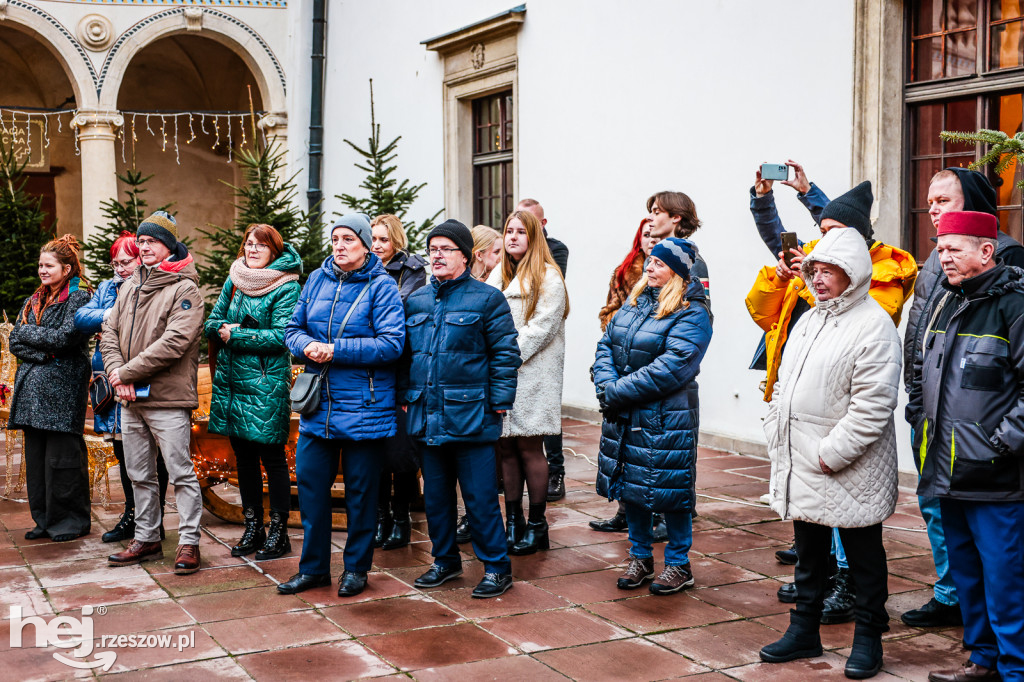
{"x":258,"y":282}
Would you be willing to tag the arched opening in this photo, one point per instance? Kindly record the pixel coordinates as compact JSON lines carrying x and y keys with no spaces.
{"x":185,"y":100}
{"x":34,"y":87}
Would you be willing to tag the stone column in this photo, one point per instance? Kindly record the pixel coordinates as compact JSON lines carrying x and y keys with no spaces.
{"x":97,"y":132}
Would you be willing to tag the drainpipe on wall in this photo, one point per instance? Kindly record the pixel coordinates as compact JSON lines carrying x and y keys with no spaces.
{"x":314,"y":193}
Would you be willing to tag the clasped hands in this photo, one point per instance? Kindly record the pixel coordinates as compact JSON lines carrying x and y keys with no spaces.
{"x":225,"y":331}
{"x":319,"y":352}
{"x":125,"y":392}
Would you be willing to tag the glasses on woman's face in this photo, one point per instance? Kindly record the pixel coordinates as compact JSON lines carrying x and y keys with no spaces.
{"x":256,"y":247}
{"x":122,"y":264}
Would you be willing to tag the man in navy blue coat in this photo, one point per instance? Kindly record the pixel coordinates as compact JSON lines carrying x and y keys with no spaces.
{"x":457,"y":380}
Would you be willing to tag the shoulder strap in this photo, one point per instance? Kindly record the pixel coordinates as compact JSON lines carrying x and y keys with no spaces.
{"x":344,"y":321}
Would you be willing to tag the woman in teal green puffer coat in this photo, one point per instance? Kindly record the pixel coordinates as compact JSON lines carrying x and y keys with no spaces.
{"x":250,"y":403}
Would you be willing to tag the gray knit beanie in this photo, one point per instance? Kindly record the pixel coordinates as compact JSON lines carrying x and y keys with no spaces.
{"x":358,"y":223}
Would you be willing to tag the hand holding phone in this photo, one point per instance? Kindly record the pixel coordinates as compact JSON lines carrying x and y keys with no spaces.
{"x":774,"y":171}
{"x":789,"y":241}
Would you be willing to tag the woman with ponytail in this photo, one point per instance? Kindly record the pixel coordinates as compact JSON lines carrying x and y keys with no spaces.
{"x":50,"y":391}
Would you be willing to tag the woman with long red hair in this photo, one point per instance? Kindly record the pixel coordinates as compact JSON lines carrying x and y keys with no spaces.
{"x":628,"y":273}
{"x":50,"y":390}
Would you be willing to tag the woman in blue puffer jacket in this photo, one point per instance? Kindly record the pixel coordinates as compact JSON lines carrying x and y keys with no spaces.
{"x":350,"y":317}
{"x":645,"y":372}
{"x":124,"y":259}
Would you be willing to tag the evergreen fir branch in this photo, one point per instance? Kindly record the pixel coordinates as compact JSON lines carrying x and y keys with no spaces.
{"x":1003,"y":150}
{"x":22,"y":235}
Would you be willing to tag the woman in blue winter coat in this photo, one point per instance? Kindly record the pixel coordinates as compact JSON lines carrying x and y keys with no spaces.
{"x":124,"y":259}
{"x":349,"y":318}
{"x":645,"y":375}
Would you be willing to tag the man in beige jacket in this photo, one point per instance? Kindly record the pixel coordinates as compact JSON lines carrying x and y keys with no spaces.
{"x":150,"y":348}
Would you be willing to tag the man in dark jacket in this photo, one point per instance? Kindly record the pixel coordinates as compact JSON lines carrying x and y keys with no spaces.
{"x":952,"y":189}
{"x":967,"y":411}
{"x":457,"y":379}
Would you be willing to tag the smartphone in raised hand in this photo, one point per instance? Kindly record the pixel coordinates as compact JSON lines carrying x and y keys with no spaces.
{"x":789,"y":241}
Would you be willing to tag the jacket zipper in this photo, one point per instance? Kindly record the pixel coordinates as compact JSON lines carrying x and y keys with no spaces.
{"x":327,"y":374}
{"x":373,"y":395}
{"x":135,"y":310}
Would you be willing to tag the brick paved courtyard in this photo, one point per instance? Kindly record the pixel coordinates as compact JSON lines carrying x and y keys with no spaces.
{"x":564,"y":617}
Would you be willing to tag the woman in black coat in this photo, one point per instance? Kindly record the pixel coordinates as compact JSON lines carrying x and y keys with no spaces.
{"x":50,"y":391}
{"x":402,"y":461}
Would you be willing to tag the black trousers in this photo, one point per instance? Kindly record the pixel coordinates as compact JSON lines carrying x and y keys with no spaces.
{"x":57,"y":478}
{"x":553,"y":450}
{"x":126,"y":482}
{"x":248,"y":456}
{"x":868,"y":572}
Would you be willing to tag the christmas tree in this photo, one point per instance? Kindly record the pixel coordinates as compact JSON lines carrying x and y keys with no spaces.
{"x":1003,"y":150}
{"x":120,"y":215}
{"x":21,"y":234}
{"x":386,"y":194}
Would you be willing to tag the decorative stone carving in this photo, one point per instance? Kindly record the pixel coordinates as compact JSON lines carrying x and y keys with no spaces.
{"x":194,"y":18}
{"x":102,"y":123}
{"x":95,"y":32}
{"x":477,"y":56}
{"x":3,"y":9}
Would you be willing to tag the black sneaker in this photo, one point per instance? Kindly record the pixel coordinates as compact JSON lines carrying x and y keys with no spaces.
{"x":438,"y":575}
{"x":787,"y":593}
{"x":787,"y":556}
{"x":838,"y":606}
{"x":493,"y":585}
{"x":934,"y":614}
{"x":556,"y":486}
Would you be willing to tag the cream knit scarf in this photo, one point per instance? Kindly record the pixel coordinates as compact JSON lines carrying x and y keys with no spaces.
{"x":258,"y":282}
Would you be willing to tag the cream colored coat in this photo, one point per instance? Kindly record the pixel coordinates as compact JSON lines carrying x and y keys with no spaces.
{"x":538,"y":407}
{"x":838,"y":386}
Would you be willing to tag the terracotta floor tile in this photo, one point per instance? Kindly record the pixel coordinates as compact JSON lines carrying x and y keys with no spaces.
{"x":39,"y":664}
{"x":17,"y":520}
{"x":32,"y":601}
{"x":433,"y":647}
{"x":628,"y":659}
{"x":712,"y":572}
{"x":581,"y":534}
{"x":346,"y":660}
{"x":17,"y":578}
{"x":235,"y":604}
{"x":894,"y":549}
{"x":779,"y":530}
{"x":730,"y":540}
{"x":85,"y":571}
{"x":378,"y":586}
{"x":760,"y":561}
{"x":10,"y":557}
{"x":908,"y":537}
{"x":717,"y":459}
{"x":585,"y":588}
{"x":650,"y":613}
{"x":553,"y":629}
{"x":212,"y":580}
{"x":837,"y":636}
{"x":827,"y":667}
{"x":48,"y":551}
{"x":920,"y":568}
{"x":723,"y":645}
{"x":914,"y":657}
{"x":391,"y":615}
{"x":134,"y":658}
{"x":275,"y":631}
{"x":554,"y":562}
{"x":715,"y":479}
{"x":106,"y":592}
{"x":213,"y":669}
{"x":747,"y":489}
{"x":749,"y":599}
{"x":523,"y":597}
{"x":507,"y":669}
{"x":616,"y":552}
{"x":732,"y":514}
{"x":143,"y":616}
{"x":415,"y":554}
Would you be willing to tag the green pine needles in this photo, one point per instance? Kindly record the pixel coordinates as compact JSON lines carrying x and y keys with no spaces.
{"x":21,"y":234}
{"x":386,"y":194}
{"x":1003,"y":150}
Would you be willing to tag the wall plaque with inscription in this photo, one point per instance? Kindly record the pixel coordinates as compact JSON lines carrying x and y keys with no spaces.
{"x":30,"y":143}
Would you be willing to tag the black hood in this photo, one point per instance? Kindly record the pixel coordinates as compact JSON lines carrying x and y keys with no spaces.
{"x":979,"y":194}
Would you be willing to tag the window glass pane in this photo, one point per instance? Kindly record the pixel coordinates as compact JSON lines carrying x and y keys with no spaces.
{"x":927,"y":17}
{"x":961,"y":53}
{"x":961,"y":115}
{"x":959,"y":160}
{"x":927,"y":59}
{"x":1010,"y":223}
{"x":495,"y":212}
{"x":1005,"y":115}
{"x":926,"y":120}
{"x":923,"y":231}
{"x":1006,"y":9}
{"x":1007,"y":48}
{"x":922,"y":172}
{"x":961,"y":14}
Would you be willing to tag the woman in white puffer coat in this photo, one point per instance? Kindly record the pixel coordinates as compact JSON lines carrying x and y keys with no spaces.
{"x":831,"y":439}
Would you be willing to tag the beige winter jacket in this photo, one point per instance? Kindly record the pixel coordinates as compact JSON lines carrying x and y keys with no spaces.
{"x":152,"y":335}
{"x":837,"y":389}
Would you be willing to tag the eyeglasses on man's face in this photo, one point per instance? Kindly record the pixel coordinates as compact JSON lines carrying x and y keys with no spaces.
{"x":144,"y":242}
{"x":441,"y":250}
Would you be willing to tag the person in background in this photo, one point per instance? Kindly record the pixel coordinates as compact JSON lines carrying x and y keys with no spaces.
{"x":487,"y":249}
{"x":349,"y":320}
{"x":250,"y":402}
{"x":50,"y":392}
{"x":150,"y":346}
{"x":645,"y":373}
{"x":458,"y":379}
{"x":536,"y":293}
{"x":124,"y":259}
{"x":402,"y":460}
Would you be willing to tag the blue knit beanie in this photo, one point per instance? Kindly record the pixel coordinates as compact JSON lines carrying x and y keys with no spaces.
{"x":678,"y":254}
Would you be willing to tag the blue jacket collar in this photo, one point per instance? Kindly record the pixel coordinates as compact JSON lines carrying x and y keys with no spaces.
{"x":372,"y":268}
{"x":448,"y":284}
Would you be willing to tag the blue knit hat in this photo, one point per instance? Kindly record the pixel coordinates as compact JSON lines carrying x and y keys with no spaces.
{"x":678,"y":254}
{"x":162,"y":227}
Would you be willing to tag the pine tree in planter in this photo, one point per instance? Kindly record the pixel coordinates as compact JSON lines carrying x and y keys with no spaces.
{"x":120,"y":215}
{"x":386,"y":194}
{"x":1003,"y":149}
{"x":21,"y":234}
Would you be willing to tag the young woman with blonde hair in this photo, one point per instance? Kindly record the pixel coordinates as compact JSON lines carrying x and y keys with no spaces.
{"x":487,"y":249}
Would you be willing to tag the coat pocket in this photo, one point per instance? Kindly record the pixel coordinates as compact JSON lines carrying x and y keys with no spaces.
{"x":464,"y":410}
{"x":985,"y":364}
{"x":418,"y":332}
{"x":416,"y":413}
{"x":975,"y":465}
{"x":462,"y":332}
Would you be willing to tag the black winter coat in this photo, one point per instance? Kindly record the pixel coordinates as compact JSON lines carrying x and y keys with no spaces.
{"x":52,"y":384}
{"x":409,"y":271}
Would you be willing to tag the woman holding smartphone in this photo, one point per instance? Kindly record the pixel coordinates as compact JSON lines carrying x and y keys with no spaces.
{"x":250,"y":403}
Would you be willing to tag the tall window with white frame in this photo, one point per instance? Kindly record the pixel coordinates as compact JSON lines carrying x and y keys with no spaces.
{"x":492,"y":159}
{"x":966,"y":71}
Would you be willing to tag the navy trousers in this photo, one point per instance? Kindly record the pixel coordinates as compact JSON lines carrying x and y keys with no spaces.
{"x":985,"y":541}
{"x":471,"y":465}
{"x":316,"y":467}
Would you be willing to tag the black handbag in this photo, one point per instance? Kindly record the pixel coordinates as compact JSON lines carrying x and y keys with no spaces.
{"x":305,"y":394}
{"x":101,"y":393}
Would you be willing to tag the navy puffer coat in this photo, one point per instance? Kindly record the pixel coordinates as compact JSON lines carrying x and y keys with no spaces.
{"x":647,"y":369}
{"x":357,"y":400}
{"x":89,"y":320}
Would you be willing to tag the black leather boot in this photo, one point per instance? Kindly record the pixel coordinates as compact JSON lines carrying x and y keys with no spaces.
{"x":616,"y":524}
{"x":515,"y":523}
{"x":277,"y":543}
{"x":866,"y":655}
{"x":383,"y":526}
{"x":660,"y":530}
{"x":800,"y":641}
{"x":400,"y":532}
{"x":840,"y":601}
{"x":125,"y":528}
{"x":462,"y":532}
{"x":535,"y":538}
{"x":253,"y":536}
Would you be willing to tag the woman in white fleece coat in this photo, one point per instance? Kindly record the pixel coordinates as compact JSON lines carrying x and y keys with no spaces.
{"x":535,"y":290}
{"x":832,"y":442}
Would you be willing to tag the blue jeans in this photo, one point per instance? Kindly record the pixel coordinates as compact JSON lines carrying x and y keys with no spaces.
{"x":838,"y":551}
{"x":945,"y":590}
{"x":641,"y":535}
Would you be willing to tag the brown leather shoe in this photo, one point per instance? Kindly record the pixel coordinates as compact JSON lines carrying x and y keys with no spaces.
{"x":136,"y":553}
{"x":637,"y":573}
{"x":186,"y":561}
{"x":970,"y":672}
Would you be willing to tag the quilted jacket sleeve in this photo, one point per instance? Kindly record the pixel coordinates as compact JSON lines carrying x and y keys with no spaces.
{"x":385,"y":346}
{"x":295,"y":335}
{"x":219,"y":314}
{"x":268,"y":341}
{"x":89,"y":318}
{"x":815,"y":201}
{"x":500,"y":335}
{"x":604,"y":360}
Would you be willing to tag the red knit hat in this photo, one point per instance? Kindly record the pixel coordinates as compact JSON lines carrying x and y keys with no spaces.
{"x":970,"y":223}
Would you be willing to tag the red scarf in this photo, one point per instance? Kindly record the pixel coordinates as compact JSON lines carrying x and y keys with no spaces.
{"x":175,"y":266}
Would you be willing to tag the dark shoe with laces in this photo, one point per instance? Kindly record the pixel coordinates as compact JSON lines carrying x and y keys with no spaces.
{"x":462,"y":531}
{"x":401,"y":533}
{"x":277,"y":543}
{"x":437,"y":575}
{"x":787,"y":556}
{"x":865,"y":657}
{"x":839,"y":603}
{"x":660,"y":531}
{"x":254,"y":536}
{"x":300,"y":582}
{"x":493,"y":585}
{"x":125,"y":528}
{"x":969,"y":672}
{"x":934,"y":614}
{"x":637,"y":573}
{"x":186,"y":560}
{"x":556,"y":486}
{"x":136,"y":553}
{"x":351,"y":583}
{"x":616,"y":524}
{"x":672,"y":579}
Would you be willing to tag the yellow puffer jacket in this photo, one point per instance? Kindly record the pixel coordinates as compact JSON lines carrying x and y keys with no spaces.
{"x":771,"y":301}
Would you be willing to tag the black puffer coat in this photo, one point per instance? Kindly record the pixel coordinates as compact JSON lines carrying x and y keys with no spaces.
{"x":52,"y":384}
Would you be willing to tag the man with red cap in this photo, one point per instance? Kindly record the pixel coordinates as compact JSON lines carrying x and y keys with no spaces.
{"x":969,"y":393}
